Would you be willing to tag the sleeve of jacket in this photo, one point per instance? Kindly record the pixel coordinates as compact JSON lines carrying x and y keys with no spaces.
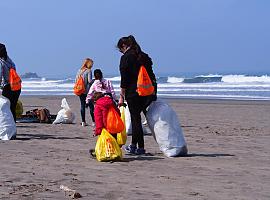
{"x":123,"y":72}
{"x":90,"y":93}
{"x":98,"y":114}
{"x":111,"y":89}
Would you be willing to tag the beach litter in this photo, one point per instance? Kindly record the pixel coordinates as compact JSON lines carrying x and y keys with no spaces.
{"x":72,"y":193}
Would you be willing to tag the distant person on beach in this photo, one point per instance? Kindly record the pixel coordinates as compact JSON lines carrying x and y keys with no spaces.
{"x":131,"y":61}
{"x":5,"y":65}
{"x":100,"y":85}
{"x":86,"y":72}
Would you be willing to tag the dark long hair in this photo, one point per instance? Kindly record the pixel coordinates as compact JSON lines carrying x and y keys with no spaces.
{"x":3,"y":52}
{"x":131,"y":42}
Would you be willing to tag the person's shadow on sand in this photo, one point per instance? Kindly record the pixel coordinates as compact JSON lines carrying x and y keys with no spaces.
{"x":142,"y":158}
{"x":44,"y":137}
{"x":208,"y":155}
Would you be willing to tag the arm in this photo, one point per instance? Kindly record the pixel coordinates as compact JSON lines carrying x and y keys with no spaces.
{"x":124,"y":74}
{"x":1,"y":72}
{"x":111,"y":89}
{"x":90,"y":93}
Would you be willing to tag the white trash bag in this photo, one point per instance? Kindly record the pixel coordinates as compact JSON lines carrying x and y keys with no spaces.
{"x":166,"y":129}
{"x":65,"y":115}
{"x":146,"y":130}
{"x":7,"y":124}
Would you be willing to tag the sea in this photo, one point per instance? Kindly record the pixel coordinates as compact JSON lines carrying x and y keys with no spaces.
{"x":232,"y":86}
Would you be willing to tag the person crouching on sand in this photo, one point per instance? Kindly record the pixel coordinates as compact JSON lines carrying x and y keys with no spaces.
{"x":102,"y":104}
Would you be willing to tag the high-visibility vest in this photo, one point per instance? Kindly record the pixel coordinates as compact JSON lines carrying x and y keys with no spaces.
{"x":14,"y":80}
{"x":144,"y":83}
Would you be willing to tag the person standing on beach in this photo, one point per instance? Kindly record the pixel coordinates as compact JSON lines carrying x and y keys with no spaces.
{"x":5,"y":65}
{"x":86,"y":72}
{"x":131,"y":61}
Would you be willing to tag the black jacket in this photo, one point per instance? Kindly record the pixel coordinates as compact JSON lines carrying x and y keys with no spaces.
{"x":129,"y":69}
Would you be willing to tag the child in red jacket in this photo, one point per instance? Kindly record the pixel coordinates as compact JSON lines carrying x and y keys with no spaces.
{"x":102,"y":105}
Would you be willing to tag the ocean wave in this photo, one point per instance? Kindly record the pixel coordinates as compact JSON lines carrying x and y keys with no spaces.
{"x":245,"y":79}
{"x":174,"y":79}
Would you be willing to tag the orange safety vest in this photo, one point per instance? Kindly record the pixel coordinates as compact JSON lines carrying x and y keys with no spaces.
{"x":144,"y":83}
{"x":14,"y":80}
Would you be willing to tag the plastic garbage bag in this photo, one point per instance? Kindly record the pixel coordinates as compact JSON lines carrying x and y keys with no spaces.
{"x":19,"y":109}
{"x":65,"y":115}
{"x":7,"y":124}
{"x":107,"y":148}
{"x":114,"y":121}
{"x":122,"y":136}
{"x":166,"y":129}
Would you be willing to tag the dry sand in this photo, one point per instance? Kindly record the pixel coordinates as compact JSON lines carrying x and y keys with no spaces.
{"x":228,"y":142}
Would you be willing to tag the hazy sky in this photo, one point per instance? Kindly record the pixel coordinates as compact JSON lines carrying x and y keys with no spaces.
{"x":52,"y":37}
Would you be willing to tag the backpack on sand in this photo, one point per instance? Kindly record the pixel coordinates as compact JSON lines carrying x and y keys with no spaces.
{"x":44,"y":115}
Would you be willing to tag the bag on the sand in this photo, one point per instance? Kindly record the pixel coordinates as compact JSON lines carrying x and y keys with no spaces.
{"x":65,"y":115}
{"x":144,"y":83}
{"x":107,"y":148}
{"x":44,"y":116}
{"x":7,"y":124}
{"x":79,"y":87}
{"x":166,"y":129}
{"x":114,"y":122}
{"x":19,"y":109}
{"x":122,"y":136}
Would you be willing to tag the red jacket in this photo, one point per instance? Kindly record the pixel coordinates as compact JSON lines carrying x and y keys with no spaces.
{"x":100,"y":112}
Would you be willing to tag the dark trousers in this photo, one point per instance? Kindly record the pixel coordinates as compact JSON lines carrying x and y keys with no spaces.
{"x":83,"y":106}
{"x":13,"y":97}
{"x":136,"y":105}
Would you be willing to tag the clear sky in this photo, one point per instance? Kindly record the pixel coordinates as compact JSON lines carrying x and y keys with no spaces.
{"x":52,"y":37}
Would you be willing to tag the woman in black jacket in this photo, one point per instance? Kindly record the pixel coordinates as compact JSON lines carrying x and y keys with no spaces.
{"x":131,"y":61}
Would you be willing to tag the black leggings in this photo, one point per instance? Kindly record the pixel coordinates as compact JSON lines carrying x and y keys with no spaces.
{"x":136,"y":105}
{"x":13,"y":97}
{"x":83,"y":106}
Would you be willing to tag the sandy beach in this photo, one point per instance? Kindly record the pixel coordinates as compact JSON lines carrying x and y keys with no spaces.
{"x":228,"y":143}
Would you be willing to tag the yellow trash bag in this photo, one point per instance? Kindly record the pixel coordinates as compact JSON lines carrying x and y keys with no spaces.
{"x":107,"y":148}
{"x":19,"y":109}
{"x":122,"y":136}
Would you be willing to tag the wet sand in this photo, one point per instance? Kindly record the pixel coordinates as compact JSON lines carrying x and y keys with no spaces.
{"x":228,"y":142}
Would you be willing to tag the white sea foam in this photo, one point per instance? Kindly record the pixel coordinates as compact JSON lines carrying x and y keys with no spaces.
{"x":245,"y":79}
{"x":175,"y":80}
{"x":117,"y":78}
{"x":231,"y":87}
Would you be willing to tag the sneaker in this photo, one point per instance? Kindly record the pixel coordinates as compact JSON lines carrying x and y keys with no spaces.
{"x":140,"y":151}
{"x":92,"y":153}
{"x":144,"y":123}
{"x":131,"y":149}
{"x":84,"y":124}
{"x":13,"y":137}
{"x":94,"y":124}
